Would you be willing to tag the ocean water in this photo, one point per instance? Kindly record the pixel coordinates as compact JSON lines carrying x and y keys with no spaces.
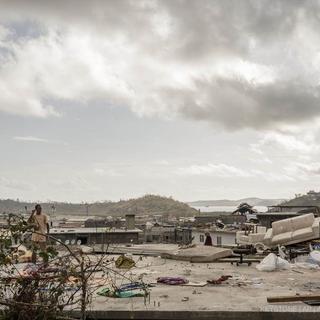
{"x":225,"y":208}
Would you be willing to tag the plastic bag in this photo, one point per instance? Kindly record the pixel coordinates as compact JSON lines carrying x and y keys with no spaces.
{"x":282,"y":264}
{"x":271,"y":262}
{"x":315,"y":256}
{"x":307,"y":261}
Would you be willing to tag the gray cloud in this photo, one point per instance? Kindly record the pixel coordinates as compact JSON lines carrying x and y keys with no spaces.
{"x":237,"y":104}
{"x":228,"y":27}
{"x":14,"y":184}
{"x":195,"y":28}
{"x":239,"y":64}
{"x":38,"y":139}
{"x":30,"y":139}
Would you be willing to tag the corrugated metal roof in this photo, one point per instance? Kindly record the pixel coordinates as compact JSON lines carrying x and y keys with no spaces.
{"x":92,"y":230}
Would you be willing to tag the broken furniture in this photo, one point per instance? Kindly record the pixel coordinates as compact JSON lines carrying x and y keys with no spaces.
{"x":241,"y":252}
{"x":284,"y":232}
{"x":252,"y":234}
{"x":295,"y":252}
{"x":293,"y":230}
{"x":251,"y":238}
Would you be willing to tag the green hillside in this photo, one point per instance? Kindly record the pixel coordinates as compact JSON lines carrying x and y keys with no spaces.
{"x":148,"y":204}
{"x":303,"y":200}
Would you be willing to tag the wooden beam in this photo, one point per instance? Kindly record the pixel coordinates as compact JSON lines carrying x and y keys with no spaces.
{"x":310,"y":297}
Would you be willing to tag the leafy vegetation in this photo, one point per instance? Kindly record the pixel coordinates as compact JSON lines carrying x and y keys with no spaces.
{"x":63,"y":282}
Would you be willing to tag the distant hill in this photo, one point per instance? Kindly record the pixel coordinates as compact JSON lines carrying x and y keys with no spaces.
{"x":225,"y":202}
{"x":303,"y":200}
{"x":148,"y":204}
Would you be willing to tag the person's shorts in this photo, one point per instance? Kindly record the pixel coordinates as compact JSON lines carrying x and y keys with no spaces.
{"x":39,"y":245}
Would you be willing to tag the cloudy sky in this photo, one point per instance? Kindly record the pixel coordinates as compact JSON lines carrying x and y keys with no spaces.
{"x":102,"y":100}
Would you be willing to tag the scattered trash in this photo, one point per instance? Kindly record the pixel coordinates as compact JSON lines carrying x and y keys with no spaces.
{"x":281,"y":251}
{"x":195,"y":284}
{"x":131,"y":294}
{"x":309,"y":262}
{"x":196,"y":292}
{"x":306,"y":265}
{"x":21,"y":254}
{"x":256,"y":283}
{"x":107,"y":292}
{"x":272,"y":262}
{"x":86,"y":249}
{"x":187,"y":272}
{"x":132,"y":286}
{"x":297,"y":271}
{"x":124,"y":262}
{"x":73,"y":280}
{"x":219,"y":280}
{"x":30,"y":269}
{"x":316,"y":246}
{"x":312,"y":285}
{"x":172,"y":280}
{"x":128,"y":290}
{"x":239,"y":281}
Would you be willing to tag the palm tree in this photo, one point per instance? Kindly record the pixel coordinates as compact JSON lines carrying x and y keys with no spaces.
{"x":244,"y":208}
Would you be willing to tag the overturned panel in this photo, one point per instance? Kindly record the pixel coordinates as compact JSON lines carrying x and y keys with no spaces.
{"x":198,"y":254}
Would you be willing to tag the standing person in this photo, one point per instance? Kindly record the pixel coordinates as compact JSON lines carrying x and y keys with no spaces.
{"x":41,"y":227}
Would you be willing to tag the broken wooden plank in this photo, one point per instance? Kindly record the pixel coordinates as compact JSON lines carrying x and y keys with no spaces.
{"x":310,"y":297}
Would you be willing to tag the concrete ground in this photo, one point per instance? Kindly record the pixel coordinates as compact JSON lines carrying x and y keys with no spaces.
{"x":247,"y":290}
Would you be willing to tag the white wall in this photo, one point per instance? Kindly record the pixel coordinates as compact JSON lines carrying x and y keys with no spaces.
{"x":226,"y":238}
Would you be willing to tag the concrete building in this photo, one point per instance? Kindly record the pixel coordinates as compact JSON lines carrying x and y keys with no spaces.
{"x":100,"y":222}
{"x":69,"y":222}
{"x":289,"y":208}
{"x":226,"y":218}
{"x":162,"y":233}
{"x":219,"y":237}
{"x":92,"y":236}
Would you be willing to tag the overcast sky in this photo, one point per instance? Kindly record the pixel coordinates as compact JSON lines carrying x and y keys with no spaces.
{"x":102,"y":100}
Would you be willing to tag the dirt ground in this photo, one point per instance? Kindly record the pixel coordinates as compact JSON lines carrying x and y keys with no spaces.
{"x":246,"y":290}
